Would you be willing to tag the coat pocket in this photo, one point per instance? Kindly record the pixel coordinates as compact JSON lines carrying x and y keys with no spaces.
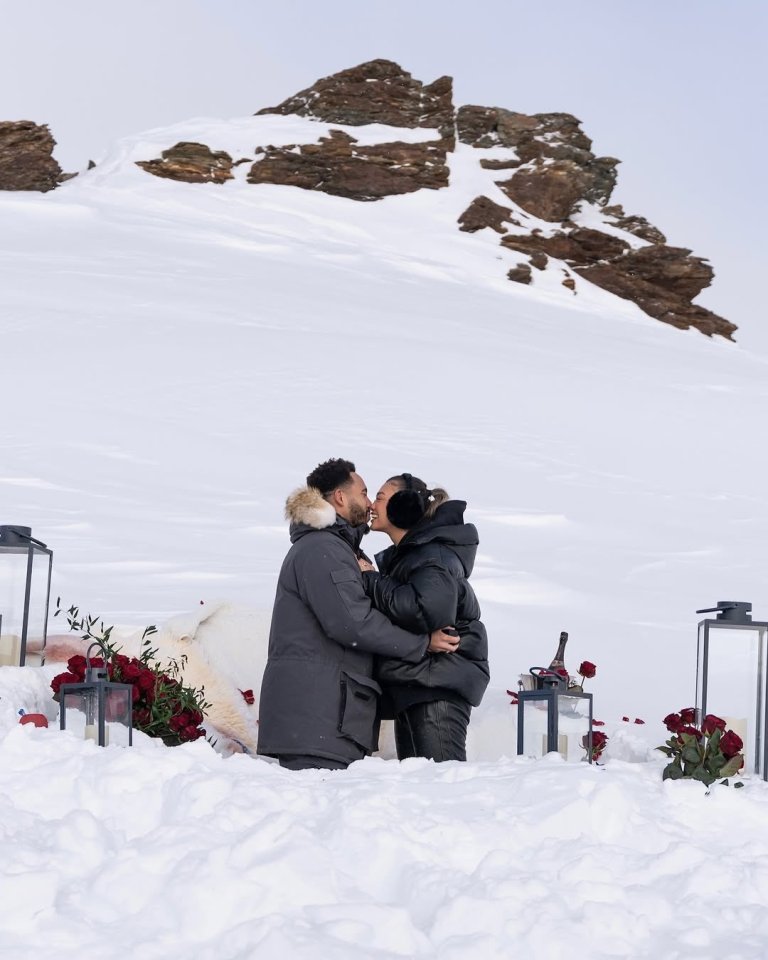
{"x":349,"y":585}
{"x":359,"y":711}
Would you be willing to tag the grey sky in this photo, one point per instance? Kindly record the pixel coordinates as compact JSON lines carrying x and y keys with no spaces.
{"x":674,"y":88}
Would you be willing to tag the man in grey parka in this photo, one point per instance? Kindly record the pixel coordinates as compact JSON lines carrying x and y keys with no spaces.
{"x":319,"y":701}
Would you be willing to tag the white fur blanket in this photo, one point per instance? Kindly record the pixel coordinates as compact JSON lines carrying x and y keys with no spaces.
{"x":226,"y":651}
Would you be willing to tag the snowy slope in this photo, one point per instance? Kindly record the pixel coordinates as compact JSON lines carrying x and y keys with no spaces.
{"x":177,"y":357}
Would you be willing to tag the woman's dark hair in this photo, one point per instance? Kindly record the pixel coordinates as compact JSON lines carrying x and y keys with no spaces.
{"x":413,"y":502}
{"x":330,"y":475}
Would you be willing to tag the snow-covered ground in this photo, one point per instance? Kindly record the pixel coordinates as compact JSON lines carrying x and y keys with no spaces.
{"x":175,"y":359}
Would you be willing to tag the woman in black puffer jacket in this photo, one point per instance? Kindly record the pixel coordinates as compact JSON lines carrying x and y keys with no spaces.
{"x":422,"y":585}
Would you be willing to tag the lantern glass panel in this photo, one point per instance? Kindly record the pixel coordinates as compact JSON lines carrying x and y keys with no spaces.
{"x":554,"y":721}
{"x":21,"y":566}
{"x":535,"y":721}
{"x":38,"y":609}
{"x":13,"y":580}
{"x":731,"y":682}
{"x":573,"y":726}
{"x":100,"y":712}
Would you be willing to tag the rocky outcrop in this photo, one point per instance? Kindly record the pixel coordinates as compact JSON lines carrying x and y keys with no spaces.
{"x":26,"y":157}
{"x":556,"y":169}
{"x":661,"y":280}
{"x":337,"y":165}
{"x":542,"y":163}
{"x":192,"y":163}
{"x":659,"y":285}
{"x":379,"y":91}
{"x":482,"y":213}
{"x":638,"y":226}
{"x":579,"y":246}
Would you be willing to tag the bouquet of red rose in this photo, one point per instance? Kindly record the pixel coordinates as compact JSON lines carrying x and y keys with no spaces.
{"x":163,"y":706}
{"x":706,"y":753}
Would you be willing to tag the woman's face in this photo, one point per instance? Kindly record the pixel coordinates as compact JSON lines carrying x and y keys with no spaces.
{"x":379,"y":520}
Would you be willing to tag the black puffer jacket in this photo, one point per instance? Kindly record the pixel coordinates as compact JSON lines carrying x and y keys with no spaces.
{"x":318,"y":695}
{"x":421,"y":586}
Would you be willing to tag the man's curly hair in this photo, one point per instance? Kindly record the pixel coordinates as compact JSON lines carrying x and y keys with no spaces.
{"x":329,"y":476}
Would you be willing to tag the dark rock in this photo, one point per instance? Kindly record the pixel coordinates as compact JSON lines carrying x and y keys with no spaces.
{"x":570,"y":283}
{"x":657,"y":301}
{"x":539,"y":260}
{"x":192,"y":163}
{"x":378,"y":91}
{"x":487,"y":164}
{"x":337,"y":166}
{"x":26,"y":157}
{"x":483,"y":212}
{"x":520,"y":274}
{"x":581,"y":245}
{"x":633,"y":224}
{"x":559,"y":169}
{"x":549,"y":191}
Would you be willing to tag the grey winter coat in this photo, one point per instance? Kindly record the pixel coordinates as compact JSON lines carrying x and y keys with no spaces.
{"x":318,"y":695}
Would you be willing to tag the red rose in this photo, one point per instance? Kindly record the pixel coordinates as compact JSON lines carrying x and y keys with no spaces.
{"x":146,"y":681}
{"x":191,"y":732}
{"x":710,"y":723}
{"x":731,"y":744}
{"x":587,"y":670}
{"x":61,"y":678}
{"x":76,"y":665}
{"x":692,"y":731}
{"x":250,"y":699}
{"x":688,"y":715}
{"x":673,"y":722}
{"x":141,"y":717}
{"x":131,"y":671}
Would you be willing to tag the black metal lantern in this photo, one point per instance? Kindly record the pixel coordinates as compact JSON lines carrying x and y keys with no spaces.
{"x":25,"y":587}
{"x":731,"y":671}
{"x":100,"y":709}
{"x":554,"y":718}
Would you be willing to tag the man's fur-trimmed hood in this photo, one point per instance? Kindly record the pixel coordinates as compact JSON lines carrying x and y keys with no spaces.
{"x":306,"y":506}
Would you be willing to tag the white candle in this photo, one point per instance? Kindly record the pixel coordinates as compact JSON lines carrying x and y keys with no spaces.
{"x":92,"y":733}
{"x":10,"y":645}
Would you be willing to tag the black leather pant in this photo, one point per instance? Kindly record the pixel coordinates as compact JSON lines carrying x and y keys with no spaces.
{"x":436,"y":730}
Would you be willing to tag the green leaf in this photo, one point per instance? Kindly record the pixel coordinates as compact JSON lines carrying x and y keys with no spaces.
{"x":732,"y":766}
{"x":692,"y":753}
{"x":714,"y":739}
{"x":672,"y":771}
{"x":702,"y":774}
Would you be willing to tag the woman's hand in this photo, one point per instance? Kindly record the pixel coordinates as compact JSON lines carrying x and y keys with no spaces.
{"x":365,"y":565}
{"x":443,"y":641}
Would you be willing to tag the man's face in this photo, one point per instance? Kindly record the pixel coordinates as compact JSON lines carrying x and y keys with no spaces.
{"x":355,"y":506}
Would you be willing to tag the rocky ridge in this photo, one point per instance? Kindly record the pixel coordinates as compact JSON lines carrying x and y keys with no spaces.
{"x":26,"y":157}
{"x":541,"y":164}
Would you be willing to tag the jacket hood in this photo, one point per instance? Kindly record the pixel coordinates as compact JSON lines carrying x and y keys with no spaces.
{"x":306,"y":506}
{"x":308,"y":512}
{"x":446,"y":527}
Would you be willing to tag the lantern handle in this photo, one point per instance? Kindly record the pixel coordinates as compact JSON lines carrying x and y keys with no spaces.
{"x":28,"y":536}
{"x":92,"y":673}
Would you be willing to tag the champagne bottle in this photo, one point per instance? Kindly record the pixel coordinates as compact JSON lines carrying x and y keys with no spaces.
{"x":558,"y":661}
